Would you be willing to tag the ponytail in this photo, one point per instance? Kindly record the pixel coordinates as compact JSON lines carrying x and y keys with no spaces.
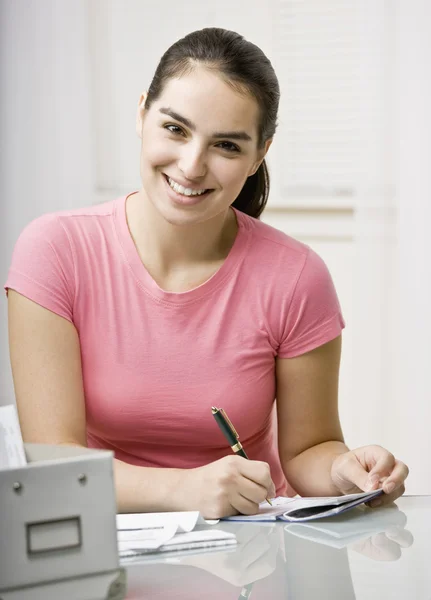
{"x":253,"y":197}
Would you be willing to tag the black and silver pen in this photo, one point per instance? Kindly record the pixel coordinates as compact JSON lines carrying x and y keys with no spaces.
{"x":230,"y":433}
{"x":246,"y":592}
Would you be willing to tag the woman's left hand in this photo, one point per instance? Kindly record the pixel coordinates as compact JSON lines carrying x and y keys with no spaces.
{"x":370,"y":468}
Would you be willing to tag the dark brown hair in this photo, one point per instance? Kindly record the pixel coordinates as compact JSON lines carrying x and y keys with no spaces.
{"x":244,"y":66}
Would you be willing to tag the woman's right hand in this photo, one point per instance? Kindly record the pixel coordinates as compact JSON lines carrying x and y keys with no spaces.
{"x":227,"y":487}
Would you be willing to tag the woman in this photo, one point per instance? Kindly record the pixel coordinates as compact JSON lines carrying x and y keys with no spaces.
{"x":129,"y":320}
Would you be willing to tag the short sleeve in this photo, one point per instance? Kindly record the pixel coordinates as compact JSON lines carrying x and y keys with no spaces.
{"x":314,"y":316}
{"x":42,"y":266}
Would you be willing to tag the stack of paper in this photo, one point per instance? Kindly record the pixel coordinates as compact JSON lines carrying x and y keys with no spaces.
{"x":147,"y":533}
{"x":12,"y":452}
{"x":306,"y":509}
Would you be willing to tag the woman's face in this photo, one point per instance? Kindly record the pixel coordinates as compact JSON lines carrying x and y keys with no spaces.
{"x":199,"y":145}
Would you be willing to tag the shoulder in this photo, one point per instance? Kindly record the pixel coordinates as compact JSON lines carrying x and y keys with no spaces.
{"x":284,"y":265}
{"x":45,"y":265}
{"x":268,"y":237}
{"x":280,"y":254}
{"x":84,"y":217}
{"x":56,"y":229}
{"x":302,"y":306}
{"x":54,"y":238}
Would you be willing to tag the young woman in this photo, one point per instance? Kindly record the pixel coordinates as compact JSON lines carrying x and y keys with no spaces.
{"x":130,"y":320}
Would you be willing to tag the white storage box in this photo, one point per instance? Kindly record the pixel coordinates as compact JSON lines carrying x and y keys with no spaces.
{"x":57,"y":517}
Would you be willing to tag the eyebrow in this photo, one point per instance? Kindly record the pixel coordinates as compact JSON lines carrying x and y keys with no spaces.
{"x":233,"y":135}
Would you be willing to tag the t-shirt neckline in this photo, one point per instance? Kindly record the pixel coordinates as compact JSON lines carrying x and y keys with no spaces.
{"x":149,"y":285}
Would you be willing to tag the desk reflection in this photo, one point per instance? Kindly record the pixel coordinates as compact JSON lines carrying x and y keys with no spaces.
{"x":275,"y":560}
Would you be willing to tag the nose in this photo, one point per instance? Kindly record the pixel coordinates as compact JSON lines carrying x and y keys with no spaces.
{"x":192,"y":162}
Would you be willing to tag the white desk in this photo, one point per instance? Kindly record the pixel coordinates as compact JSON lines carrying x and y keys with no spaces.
{"x":393,"y":563}
{"x":271,"y":562}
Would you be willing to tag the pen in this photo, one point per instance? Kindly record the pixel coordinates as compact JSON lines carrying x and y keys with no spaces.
{"x":246,"y":592}
{"x":230,"y":433}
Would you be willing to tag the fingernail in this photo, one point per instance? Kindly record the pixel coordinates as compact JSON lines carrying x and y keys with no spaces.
{"x":376,"y":503}
{"x":389,"y":487}
{"x":372,"y":481}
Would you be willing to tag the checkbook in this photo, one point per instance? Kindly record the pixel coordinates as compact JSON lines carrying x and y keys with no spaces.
{"x":296,"y":510}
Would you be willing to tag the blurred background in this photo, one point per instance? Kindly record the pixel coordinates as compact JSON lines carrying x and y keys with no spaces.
{"x":350,"y":165}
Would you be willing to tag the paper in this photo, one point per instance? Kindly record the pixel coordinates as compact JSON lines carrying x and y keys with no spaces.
{"x":306,"y":509}
{"x":142,"y":533}
{"x":145,"y":539}
{"x":185,"y":521}
{"x":12,"y":452}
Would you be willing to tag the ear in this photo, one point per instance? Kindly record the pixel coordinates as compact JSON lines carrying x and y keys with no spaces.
{"x":140,"y":113}
{"x":261,"y":155}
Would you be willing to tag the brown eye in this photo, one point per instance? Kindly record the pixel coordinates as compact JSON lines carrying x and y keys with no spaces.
{"x":229,"y":147}
{"x":174,"y":129}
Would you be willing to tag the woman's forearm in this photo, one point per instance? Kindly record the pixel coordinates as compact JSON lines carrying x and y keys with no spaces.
{"x":147,"y":489}
{"x":309,"y":473}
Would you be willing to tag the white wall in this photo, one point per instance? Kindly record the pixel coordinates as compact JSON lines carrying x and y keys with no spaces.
{"x":413,"y":185}
{"x":374,"y":224}
{"x":45,"y":123}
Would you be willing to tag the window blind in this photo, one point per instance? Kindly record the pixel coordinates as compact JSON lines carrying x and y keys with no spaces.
{"x":316,"y":56}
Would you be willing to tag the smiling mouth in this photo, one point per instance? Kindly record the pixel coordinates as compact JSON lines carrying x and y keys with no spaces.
{"x":183,"y":191}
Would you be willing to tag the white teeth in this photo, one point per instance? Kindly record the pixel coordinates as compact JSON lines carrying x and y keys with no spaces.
{"x":182,"y":190}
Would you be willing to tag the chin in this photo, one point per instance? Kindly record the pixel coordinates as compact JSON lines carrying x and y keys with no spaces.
{"x":181,"y":218}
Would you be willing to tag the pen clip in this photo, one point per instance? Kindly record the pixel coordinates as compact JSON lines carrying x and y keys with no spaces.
{"x":229,"y":422}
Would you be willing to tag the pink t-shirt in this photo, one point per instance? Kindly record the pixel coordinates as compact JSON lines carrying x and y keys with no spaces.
{"x":154,"y":362}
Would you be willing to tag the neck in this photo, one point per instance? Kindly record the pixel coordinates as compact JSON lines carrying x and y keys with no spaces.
{"x":167,"y":246}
